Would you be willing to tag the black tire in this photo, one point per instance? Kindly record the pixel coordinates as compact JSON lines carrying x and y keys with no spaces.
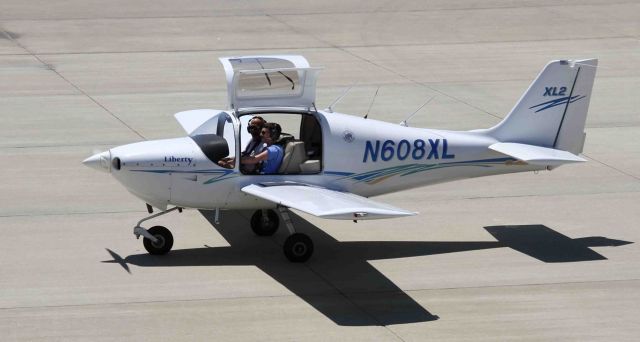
{"x":298,"y":247}
{"x":266,"y":227}
{"x":163,"y":246}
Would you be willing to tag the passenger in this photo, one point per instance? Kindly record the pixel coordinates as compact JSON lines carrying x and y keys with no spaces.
{"x":271,"y":157}
{"x":254,"y":146}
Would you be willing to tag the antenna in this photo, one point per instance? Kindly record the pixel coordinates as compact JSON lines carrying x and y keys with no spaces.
{"x":372,"y":101}
{"x":344,"y":93}
{"x":404,"y":122}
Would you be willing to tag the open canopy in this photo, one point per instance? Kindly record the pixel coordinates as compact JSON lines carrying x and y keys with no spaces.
{"x":281,"y":81}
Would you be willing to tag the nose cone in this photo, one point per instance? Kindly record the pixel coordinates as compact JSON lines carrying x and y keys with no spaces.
{"x":99,"y":161}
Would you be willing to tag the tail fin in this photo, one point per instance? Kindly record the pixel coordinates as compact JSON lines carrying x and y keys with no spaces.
{"x":553,"y":111}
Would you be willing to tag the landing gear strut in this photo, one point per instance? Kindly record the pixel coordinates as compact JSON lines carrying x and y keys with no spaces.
{"x":157,"y":240}
{"x":297,"y":247}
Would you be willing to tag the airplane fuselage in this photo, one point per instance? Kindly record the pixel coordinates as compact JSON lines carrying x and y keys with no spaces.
{"x":363,"y":156}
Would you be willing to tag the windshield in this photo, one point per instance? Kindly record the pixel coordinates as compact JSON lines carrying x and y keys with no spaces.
{"x":216,"y":137}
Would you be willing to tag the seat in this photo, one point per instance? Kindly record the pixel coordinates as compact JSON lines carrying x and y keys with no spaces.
{"x":294,"y":155}
{"x":310,"y":166}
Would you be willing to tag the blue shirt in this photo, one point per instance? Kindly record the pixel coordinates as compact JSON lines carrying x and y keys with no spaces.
{"x":274,"y":159}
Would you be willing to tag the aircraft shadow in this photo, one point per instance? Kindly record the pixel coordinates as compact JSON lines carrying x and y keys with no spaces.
{"x":339,"y":281}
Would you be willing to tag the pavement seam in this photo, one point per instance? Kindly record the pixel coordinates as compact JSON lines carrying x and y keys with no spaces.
{"x":578,"y":19}
{"x":443,"y":199}
{"x":345,"y":295}
{"x":5,"y":33}
{"x":332,"y":46}
{"x":260,"y":14}
{"x":544,"y":195}
{"x":51,"y":68}
{"x":612,"y":167}
{"x":72,"y":213}
{"x":379,"y":66}
{"x":462,"y":9}
{"x":213,"y":299}
{"x":333,"y":86}
{"x":106,"y":145}
{"x":92,"y":99}
{"x":424,"y":84}
{"x":339,"y":292}
{"x":342,"y":294}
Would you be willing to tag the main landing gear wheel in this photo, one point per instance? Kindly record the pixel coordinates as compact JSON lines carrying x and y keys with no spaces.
{"x":298,"y":247}
{"x":265,"y":225}
{"x":164,"y":243}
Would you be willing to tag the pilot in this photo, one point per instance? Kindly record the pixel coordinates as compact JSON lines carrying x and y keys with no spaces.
{"x":271,"y":157}
{"x":254,"y":146}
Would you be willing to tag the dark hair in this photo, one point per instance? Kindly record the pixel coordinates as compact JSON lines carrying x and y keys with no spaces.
{"x":254,"y":118}
{"x":274,"y":130}
{"x":257,"y":117}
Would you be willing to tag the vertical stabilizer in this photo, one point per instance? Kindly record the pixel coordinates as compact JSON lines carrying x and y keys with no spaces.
{"x":553,"y":111}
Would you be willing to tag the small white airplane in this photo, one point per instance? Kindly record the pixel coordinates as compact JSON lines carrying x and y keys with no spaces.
{"x":332,"y":162}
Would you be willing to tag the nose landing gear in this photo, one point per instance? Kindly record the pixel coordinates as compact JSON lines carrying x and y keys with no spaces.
{"x":298,"y":247}
{"x":157,"y":240}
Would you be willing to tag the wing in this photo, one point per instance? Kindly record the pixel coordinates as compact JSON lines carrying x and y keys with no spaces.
{"x":323,"y":202}
{"x":536,"y":155}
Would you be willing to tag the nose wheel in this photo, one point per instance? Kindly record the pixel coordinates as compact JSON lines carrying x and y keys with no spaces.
{"x":163,"y":243}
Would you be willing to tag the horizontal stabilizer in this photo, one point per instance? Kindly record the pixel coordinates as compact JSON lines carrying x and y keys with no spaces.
{"x":536,"y":155}
{"x":323,"y":202}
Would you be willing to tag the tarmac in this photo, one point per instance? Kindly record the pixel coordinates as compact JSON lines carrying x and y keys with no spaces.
{"x":549,"y":256}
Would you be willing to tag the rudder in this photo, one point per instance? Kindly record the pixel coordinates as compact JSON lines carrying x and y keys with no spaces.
{"x":553,"y":111}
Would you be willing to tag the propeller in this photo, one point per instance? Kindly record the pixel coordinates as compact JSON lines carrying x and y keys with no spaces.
{"x":100,"y":161}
